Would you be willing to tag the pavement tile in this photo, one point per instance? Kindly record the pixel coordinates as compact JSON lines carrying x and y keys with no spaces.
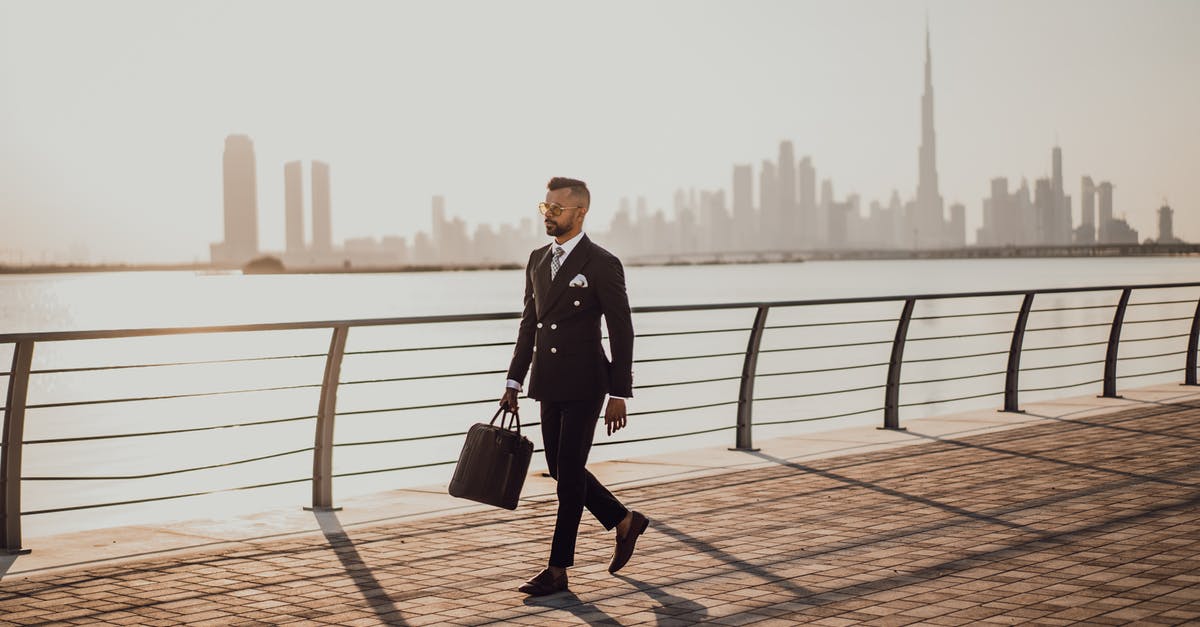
{"x":1092,"y":521}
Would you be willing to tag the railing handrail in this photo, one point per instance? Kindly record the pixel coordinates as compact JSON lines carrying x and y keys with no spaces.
{"x":322,"y":476}
{"x":53,"y":336}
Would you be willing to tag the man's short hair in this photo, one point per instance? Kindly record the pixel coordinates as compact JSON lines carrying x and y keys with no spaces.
{"x":579,"y":191}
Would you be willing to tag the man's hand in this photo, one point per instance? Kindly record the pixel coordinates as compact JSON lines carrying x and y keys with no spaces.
{"x":509,"y":400}
{"x":614,"y":415}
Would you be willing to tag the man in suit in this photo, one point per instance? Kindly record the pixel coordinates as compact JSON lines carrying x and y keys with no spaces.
{"x":569,"y":284}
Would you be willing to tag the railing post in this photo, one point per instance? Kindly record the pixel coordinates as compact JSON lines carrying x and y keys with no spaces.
{"x":322,"y":479}
{"x":746,"y":393}
{"x":891,"y":401}
{"x":1114,"y":341}
{"x":1189,"y":375}
{"x":1014,"y":356}
{"x":10,"y":448}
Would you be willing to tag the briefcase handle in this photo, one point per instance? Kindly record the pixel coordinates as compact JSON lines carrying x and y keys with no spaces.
{"x":515,"y":420}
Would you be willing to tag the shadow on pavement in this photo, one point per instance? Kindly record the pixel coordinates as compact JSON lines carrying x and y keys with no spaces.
{"x":670,"y":606}
{"x":730,"y":559}
{"x":567,"y":601}
{"x":370,"y":588}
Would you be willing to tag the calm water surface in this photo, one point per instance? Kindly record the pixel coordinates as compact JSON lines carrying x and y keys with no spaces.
{"x":153,"y":299}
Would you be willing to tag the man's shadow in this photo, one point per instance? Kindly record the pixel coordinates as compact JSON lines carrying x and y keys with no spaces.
{"x":569,"y":602}
{"x":670,"y":606}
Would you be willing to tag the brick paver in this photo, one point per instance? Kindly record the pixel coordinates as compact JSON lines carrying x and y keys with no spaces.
{"x":1093,"y":521}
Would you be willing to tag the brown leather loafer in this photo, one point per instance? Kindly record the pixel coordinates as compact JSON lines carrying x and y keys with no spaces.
{"x":544,"y":583}
{"x":625,"y":545}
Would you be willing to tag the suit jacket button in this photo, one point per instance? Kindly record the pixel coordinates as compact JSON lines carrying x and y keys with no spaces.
{"x":576,"y":303}
{"x":539,"y":325}
{"x":553,"y":350}
{"x":535,"y":348}
{"x":553,"y":327}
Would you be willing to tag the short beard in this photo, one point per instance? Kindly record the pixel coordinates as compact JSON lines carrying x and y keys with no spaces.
{"x":554,"y":230}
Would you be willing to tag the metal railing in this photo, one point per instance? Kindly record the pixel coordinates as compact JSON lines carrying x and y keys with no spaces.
{"x":16,"y":407}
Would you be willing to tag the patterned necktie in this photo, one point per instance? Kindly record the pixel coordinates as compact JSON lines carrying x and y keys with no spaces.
{"x":556,"y":262}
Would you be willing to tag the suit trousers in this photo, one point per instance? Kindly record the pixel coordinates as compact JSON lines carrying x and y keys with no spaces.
{"x":567,"y":431}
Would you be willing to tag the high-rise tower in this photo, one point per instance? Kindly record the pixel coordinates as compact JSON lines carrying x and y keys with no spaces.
{"x":784,"y":223}
{"x":1166,"y":232}
{"x":745,"y":225}
{"x":806,"y":204}
{"x":1086,"y":234}
{"x":293,"y":205}
{"x":322,"y":227}
{"x":1104,"y":223}
{"x":929,"y":222}
{"x":768,"y":203}
{"x":240,"y":180}
{"x":440,"y":230}
{"x":1062,"y":221}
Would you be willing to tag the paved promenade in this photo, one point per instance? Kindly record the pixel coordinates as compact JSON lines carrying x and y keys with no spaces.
{"x":1093,"y":519}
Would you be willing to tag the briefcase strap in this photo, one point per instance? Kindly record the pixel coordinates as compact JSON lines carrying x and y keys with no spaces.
{"x":511,"y":418}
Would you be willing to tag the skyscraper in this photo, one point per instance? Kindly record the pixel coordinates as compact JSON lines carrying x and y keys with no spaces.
{"x":957,"y":227}
{"x":1086,"y":233}
{"x":440,"y":230}
{"x":1056,"y":191}
{"x":768,"y":201}
{"x":240,"y":181}
{"x":1001,"y":216}
{"x":1104,"y":221}
{"x":322,"y":222}
{"x":1166,"y":230}
{"x":929,"y":222}
{"x":1044,"y":201}
{"x":745,"y":226}
{"x":1056,"y":176}
{"x":293,"y":203}
{"x":806,"y":204}
{"x":784,"y":224}
{"x":1061,"y":214}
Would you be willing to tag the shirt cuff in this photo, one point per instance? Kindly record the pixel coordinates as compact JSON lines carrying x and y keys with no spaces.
{"x":516,"y":385}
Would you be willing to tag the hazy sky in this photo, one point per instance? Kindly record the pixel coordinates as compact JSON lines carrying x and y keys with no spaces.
{"x":113,"y":114}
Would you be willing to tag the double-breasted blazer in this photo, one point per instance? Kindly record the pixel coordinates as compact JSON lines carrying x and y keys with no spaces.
{"x":559,"y":336}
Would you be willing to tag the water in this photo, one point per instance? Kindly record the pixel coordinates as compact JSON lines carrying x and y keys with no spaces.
{"x":165,"y":299}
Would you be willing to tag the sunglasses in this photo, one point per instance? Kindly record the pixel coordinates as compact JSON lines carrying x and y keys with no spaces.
{"x":552,"y":209}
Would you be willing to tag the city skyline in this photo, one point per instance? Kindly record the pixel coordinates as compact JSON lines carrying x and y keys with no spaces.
{"x":787,"y":218}
{"x":1108,"y":79}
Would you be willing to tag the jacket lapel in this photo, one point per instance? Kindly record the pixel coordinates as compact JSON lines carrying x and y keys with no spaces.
{"x":541,"y":281}
{"x":570,"y":268}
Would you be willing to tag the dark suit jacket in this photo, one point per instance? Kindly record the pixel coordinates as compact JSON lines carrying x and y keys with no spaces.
{"x":560,"y":327}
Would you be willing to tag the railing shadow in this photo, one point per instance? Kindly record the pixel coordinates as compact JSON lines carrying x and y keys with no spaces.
{"x":866,"y":485}
{"x":1062,"y":462}
{"x":371,"y":589}
{"x":1172,"y":408}
{"x":729,"y":558}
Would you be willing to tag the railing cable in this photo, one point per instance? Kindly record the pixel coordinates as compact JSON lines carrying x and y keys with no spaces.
{"x":171,"y":472}
{"x":168,"y":431}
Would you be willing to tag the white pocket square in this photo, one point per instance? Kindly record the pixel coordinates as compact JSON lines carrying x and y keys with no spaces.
{"x":578,"y":281}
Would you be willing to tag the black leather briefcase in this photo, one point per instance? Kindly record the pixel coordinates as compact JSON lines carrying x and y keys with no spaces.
{"x":494,"y":460}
